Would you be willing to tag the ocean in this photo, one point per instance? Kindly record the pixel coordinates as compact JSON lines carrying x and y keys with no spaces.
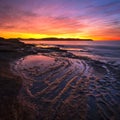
{"x":105,"y":51}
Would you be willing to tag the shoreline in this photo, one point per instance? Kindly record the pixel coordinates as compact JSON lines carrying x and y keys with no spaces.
{"x":74,"y":85}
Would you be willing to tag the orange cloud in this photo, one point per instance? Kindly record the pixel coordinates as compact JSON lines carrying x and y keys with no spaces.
{"x":85,"y":20}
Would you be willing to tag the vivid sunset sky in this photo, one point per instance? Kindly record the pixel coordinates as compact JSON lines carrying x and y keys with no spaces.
{"x":94,"y":19}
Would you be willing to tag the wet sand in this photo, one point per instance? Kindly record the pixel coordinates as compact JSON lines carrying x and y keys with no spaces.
{"x":58,"y":85}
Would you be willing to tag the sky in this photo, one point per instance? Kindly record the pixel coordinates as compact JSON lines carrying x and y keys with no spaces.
{"x":86,"y":19}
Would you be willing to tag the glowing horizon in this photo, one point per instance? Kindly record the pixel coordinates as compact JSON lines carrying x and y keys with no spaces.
{"x":84,"y":19}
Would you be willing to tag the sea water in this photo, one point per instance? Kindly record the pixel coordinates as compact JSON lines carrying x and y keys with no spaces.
{"x":107,"y":51}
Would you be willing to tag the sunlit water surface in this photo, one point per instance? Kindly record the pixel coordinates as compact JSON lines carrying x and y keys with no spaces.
{"x":101,"y":50}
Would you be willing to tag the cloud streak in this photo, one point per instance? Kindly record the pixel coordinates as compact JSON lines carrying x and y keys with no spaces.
{"x":81,"y":18}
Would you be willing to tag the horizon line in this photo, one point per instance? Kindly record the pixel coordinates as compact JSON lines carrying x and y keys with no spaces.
{"x":44,"y":38}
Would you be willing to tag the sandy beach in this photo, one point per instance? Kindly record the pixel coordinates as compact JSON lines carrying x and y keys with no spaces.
{"x":49,"y":83}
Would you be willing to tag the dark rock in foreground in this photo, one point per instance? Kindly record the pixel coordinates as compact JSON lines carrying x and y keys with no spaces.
{"x":10,"y":107}
{"x":10,"y":84}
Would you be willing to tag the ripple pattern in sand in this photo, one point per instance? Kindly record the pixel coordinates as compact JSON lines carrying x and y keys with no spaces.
{"x":63,"y":88}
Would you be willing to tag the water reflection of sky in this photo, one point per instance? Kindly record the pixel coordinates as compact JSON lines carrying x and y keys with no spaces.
{"x":104,"y":50}
{"x":31,"y":61}
{"x":90,"y":43}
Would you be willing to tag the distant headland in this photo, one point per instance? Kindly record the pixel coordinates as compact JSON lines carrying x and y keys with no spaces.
{"x":48,"y":39}
{"x":58,"y":39}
